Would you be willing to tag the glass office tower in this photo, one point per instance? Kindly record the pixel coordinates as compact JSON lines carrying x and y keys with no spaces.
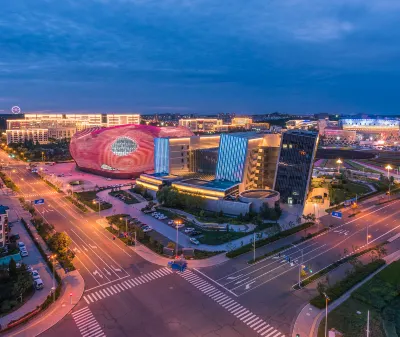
{"x":295,"y":165}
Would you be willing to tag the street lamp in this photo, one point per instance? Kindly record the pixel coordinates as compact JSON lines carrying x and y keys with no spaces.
{"x":338,"y":162}
{"x":126,"y":224}
{"x":300,"y":264}
{"x":326,"y":313}
{"x":177,"y":222}
{"x":53,"y":257}
{"x":98,"y":202}
{"x":388,"y":167}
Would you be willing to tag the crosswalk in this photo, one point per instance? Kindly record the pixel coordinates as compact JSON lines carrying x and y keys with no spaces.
{"x":342,"y":232}
{"x":116,"y":288}
{"x":246,"y":316}
{"x":87,"y":324}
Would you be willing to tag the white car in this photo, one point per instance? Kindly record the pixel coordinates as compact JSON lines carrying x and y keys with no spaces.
{"x":29,"y":269}
{"x":35,"y":275}
{"x":21,"y":245}
{"x":24,"y":252}
{"x":162,"y":217}
{"x":171,"y":222}
{"x":189,"y":230}
{"x":154,"y":214}
{"x":147,"y":229}
{"x":38,"y":284}
{"x":194,"y":241}
{"x":181,"y":225}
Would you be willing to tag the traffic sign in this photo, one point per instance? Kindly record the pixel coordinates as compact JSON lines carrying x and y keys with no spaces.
{"x":337,"y":214}
{"x":38,"y":202}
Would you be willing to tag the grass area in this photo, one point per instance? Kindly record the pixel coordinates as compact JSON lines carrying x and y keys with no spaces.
{"x":336,"y":264}
{"x":259,"y":243}
{"x":347,"y":190}
{"x":82,"y":207}
{"x":203,"y":254}
{"x":380,"y":296}
{"x":8,"y":182}
{"x":124,"y":196}
{"x":359,"y":167}
{"x":87,"y":199}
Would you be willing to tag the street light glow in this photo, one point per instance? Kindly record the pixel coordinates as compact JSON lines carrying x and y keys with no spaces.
{"x":339,"y":161}
{"x":388,"y":167}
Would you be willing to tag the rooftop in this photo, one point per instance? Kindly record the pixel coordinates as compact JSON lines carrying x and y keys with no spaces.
{"x":3,"y":209}
{"x":219,"y":185}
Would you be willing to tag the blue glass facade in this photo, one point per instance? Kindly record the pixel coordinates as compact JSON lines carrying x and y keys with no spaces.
{"x":295,"y":165}
{"x":161,"y":155}
{"x":231,"y":158}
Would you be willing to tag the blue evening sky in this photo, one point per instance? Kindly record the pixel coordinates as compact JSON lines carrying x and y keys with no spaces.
{"x":204,"y":56}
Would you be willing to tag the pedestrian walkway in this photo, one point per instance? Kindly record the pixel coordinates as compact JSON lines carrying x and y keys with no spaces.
{"x":116,"y":288}
{"x":39,"y":195}
{"x":246,"y":316}
{"x":87,"y":324}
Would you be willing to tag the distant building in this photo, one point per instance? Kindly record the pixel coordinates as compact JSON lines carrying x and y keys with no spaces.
{"x":42,"y":127}
{"x":295,"y":165}
{"x":201,"y":124}
{"x":372,"y":129}
{"x":337,"y":136}
{"x":3,"y":224}
{"x":301,"y":124}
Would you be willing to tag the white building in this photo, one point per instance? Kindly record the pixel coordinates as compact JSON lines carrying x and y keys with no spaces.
{"x":41,"y":127}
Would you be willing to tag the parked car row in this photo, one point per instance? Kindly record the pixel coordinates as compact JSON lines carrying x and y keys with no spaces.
{"x":159,"y":216}
{"x":22,"y":249}
{"x":145,"y":228}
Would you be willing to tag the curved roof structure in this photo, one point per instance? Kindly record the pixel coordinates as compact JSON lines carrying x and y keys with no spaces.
{"x":123,"y":151}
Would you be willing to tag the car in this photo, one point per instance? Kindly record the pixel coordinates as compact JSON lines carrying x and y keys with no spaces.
{"x":35,"y":275}
{"x":189,"y":230}
{"x":29,"y":269}
{"x":181,"y":225}
{"x":162,"y":217}
{"x":38,"y":284}
{"x":194,"y":241}
{"x":21,"y":245}
{"x":171,"y":222}
{"x":24,"y":252}
{"x":147,"y":229}
{"x":154,"y":214}
{"x":141,"y":225}
{"x":14,"y":237}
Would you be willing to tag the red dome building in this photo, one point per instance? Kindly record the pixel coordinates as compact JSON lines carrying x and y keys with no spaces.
{"x":123,"y":151}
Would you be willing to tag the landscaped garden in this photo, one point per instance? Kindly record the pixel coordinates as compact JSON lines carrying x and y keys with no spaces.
{"x":381,"y":296}
{"x":88,"y":198}
{"x":124,"y":196}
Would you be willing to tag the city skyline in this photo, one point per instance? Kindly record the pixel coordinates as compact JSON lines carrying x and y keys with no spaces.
{"x":200,"y":57}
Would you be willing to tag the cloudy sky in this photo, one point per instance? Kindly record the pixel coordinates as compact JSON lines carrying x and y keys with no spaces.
{"x":253,"y":56}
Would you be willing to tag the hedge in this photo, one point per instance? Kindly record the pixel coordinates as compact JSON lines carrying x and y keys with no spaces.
{"x":76,"y":203}
{"x":259,"y":243}
{"x":341,"y":287}
{"x":275,"y":251}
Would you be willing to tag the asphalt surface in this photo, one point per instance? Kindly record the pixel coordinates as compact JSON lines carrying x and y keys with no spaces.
{"x":128,"y":296}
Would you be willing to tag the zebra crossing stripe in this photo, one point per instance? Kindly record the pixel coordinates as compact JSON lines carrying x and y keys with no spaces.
{"x":87,"y":323}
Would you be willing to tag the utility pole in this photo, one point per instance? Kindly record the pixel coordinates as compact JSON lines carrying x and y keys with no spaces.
{"x":368,"y":324}
{"x":326,"y":314}
{"x":254,"y":247}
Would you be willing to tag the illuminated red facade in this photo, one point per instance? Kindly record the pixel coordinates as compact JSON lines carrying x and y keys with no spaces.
{"x":123,"y":151}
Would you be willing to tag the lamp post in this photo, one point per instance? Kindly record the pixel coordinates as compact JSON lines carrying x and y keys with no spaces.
{"x":177,"y":222}
{"x":300,"y":264}
{"x":339,"y":161}
{"x":388,"y":167}
{"x":326,"y":313}
{"x":126,"y":224}
{"x":53,"y":257}
{"x":98,"y":202}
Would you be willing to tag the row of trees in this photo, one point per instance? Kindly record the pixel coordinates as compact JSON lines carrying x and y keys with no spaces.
{"x":171,"y":197}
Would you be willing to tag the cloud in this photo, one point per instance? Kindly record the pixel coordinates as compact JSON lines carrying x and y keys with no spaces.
{"x":323,"y":31}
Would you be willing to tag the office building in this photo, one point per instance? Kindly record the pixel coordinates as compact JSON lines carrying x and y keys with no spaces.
{"x":44,"y":127}
{"x":294,"y":170}
{"x":200,"y":124}
{"x":3,"y":224}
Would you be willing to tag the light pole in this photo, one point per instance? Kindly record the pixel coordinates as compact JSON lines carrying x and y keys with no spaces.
{"x":177,"y":222}
{"x":326,"y":314}
{"x":300,"y":264}
{"x":53,"y":257}
{"x":98,"y":202}
{"x":388,"y":167}
{"x":338,"y":162}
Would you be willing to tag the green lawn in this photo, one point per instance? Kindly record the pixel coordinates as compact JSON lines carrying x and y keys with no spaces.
{"x":381,"y":296}
{"x":128,"y":198}
{"x":347,"y":191}
{"x":88,"y":197}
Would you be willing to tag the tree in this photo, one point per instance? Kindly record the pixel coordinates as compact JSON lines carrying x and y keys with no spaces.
{"x":22,"y":284}
{"x":381,"y":251}
{"x":321,"y":288}
{"x":60,"y":242}
{"x":12,"y":268}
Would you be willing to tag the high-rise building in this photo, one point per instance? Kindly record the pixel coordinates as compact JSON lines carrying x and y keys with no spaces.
{"x":295,"y":165}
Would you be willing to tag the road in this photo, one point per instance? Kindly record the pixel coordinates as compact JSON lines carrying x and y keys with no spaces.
{"x":126,"y":295}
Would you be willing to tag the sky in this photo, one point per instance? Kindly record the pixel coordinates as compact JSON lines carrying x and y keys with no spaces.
{"x":200,"y":56}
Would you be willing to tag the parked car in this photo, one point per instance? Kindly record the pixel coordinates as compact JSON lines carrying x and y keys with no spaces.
{"x":35,"y":275}
{"x":24,"y":252}
{"x":147,"y":229}
{"x":38,"y":284}
{"x":189,"y":230}
{"x":181,"y":225}
{"x":171,"y":222}
{"x":194,"y":241}
{"x":14,"y":237}
{"x":29,"y":269}
{"x":21,"y":245}
{"x":194,"y":233}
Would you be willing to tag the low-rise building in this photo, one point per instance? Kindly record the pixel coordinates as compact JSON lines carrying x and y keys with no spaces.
{"x":3,"y":224}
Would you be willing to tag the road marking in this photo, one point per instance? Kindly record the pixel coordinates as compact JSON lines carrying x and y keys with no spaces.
{"x":116,"y":269}
{"x":233,"y":277}
{"x":87,"y":323}
{"x":93,"y":295}
{"x":96,"y":272}
{"x":253,"y":322}
{"x":105,"y":269}
{"x":242,"y":280}
{"x":249,"y":284}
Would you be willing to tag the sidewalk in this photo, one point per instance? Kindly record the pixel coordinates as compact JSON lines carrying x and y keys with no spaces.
{"x":74,"y":284}
{"x":310,"y":317}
